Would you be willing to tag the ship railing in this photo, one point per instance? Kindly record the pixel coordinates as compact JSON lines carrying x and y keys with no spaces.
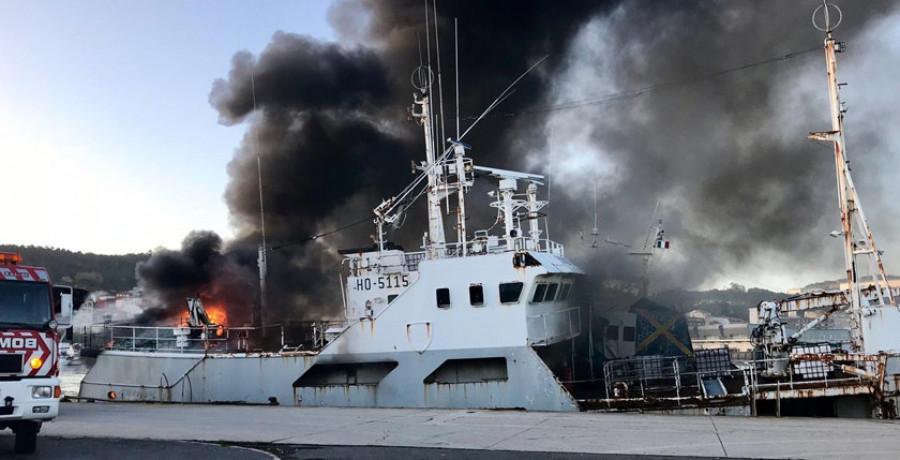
{"x":394,"y":262}
{"x":825,"y":370}
{"x":477,"y":246}
{"x":678,"y":379}
{"x":805,"y":369}
{"x":492,"y":245}
{"x":325,"y":331}
{"x":709,"y":378}
{"x":412,"y":259}
{"x":817,"y":375}
{"x":649,"y":376}
{"x":181,"y":339}
{"x":550,"y":327}
{"x":663,"y":372}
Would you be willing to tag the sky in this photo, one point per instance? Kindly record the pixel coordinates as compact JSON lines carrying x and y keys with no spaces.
{"x":108,"y":143}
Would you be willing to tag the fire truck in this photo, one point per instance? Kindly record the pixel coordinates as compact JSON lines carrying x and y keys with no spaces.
{"x":29,"y":348}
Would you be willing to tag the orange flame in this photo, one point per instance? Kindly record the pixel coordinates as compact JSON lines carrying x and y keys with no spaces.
{"x":216,"y":315}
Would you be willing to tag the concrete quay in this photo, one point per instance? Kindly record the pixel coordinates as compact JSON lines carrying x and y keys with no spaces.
{"x":623,"y":434}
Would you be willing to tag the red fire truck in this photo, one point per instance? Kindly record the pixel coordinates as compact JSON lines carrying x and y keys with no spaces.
{"x":29,"y":348}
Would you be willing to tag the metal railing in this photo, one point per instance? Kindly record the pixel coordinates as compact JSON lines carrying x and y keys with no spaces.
{"x":655,"y":377}
{"x":493,"y":245}
{"x":412,"y":259}
{"x":180,"y":339}
{"x":643,"y":381}
{"x":813,"y":371}
{"x":474,"y":247}
{"x":322,"y":330}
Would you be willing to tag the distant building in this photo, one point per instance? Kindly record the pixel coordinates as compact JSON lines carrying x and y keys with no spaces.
{"x":710,"y":332}
{"x":836,"y":285}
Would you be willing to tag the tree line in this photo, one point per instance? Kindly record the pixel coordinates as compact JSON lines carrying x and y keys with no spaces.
{"x":86,"y":270}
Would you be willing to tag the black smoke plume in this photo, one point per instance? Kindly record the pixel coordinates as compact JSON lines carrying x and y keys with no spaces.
{"x":199,"y":269}
{"x":741,"y":190}
{"x":720,"y":139}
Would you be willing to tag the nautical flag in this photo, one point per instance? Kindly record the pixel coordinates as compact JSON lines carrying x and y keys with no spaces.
{"x":662,"y":244}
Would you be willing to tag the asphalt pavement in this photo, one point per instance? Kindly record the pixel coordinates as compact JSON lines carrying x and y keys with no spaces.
{"x":54,"y":448}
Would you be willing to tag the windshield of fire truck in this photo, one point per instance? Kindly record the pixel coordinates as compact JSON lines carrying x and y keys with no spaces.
{"x":24,"y":302}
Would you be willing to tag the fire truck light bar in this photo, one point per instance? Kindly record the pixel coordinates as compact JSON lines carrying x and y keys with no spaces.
{"x":11,"y":258}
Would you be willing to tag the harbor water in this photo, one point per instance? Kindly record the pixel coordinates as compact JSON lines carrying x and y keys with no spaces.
{"x":71,"y":373}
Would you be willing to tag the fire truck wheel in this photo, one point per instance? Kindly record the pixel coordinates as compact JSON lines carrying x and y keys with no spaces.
{"x":26,"y":437}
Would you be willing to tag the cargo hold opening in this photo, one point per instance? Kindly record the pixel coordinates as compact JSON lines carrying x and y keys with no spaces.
{"x":339,"y":374}
{"x":470,"y":370}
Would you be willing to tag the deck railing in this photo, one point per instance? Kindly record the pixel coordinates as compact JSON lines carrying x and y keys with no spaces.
{"x":492,"y":245}
{"x":474,"y":247}
{"x":180,"y":339}
{"x":645,"y":381}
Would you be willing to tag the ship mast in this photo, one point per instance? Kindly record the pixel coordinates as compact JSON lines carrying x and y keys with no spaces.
{"x":448,"y":171}
{"x":859,"y":245}
{"x":443,"y":175}
{"x":435,"y":239}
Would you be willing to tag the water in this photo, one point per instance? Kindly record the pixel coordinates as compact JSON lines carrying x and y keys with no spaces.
{"x":71,"y":373}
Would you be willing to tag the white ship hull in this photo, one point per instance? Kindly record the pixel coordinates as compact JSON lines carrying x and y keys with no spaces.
{"x":256,"y":379}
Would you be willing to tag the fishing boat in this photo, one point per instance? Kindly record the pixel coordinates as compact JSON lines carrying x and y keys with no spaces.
{"x":481,"y":321}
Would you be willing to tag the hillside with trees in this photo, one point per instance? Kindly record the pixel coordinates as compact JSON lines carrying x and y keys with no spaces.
{"x":85,"y":270}
{"x":735,"y":301}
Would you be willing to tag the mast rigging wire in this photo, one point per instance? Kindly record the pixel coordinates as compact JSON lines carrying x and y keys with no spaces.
{"x":629,"y":94}
{"x":319,"y":235}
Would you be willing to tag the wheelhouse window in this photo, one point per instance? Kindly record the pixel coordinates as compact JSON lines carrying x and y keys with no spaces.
{"x":476,"y":295}
{"x":612,"y":332}
{"x":443,"y":297}
{"x":551,"y":292}
{"x":628,"y":334}
{"x":23,"y":302}
{"x":564,"y":292}
{"x":510,"y":292}
{"x":539,"y":291}
{"x":391,"y":297}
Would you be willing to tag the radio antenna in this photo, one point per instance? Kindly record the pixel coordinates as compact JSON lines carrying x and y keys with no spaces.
{"x":456,"y":53}
{"x":431,"y":119}
{"x":437,"y":52}
{"x":419,"y":42}
{"x":263,"y":265}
